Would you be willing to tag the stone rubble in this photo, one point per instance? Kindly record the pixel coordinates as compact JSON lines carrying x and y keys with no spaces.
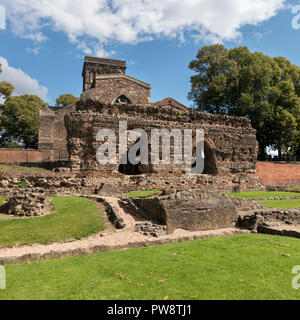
{"x":27,"y":204}
{"x":150,"y":229}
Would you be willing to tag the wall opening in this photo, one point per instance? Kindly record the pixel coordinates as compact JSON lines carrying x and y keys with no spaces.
{"x":130,"y":169}
{"x":122,"y":100}
{"x":210,"y":166}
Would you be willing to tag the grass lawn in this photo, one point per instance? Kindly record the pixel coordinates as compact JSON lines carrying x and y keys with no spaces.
{"x":262,"y":194}
{"x":142,"y":194}
{"x":295,"y":189}
{"x":20,"y":168}
{"x":73,"y":217}
{"x":281,"y":204}
{"x":236,"y":267}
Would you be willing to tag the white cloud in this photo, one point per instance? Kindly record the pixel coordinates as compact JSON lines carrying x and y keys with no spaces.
{"x":22,"y":82}
{"x":129,"y":21}
{"x":35,"y":50}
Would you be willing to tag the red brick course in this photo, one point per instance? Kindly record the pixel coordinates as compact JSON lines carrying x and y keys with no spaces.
{"x":274,"y":173}
{"x":19,"y":156}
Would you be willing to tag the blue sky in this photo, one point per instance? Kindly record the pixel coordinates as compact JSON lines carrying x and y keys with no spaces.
{"x":43,"y":47}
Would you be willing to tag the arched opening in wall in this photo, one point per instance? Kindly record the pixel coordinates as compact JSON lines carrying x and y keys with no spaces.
{"x":122,"y":100}
{"x":210,"y":166}
{"x":129,"y":168}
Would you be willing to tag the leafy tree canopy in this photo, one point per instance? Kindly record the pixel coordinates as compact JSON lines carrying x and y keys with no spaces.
{"x":19,"y":120}
{"x":240,"y":83}
{"x":6,"y":89}
{"x":65,"y":100}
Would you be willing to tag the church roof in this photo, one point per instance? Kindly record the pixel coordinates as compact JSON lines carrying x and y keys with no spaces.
{"x":170,"y":103}
{"x":121,"y":75}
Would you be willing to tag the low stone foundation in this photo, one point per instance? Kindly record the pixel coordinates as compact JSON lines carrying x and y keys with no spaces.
{"x":117,"y":185}
{"x":193,"y":210}
{"x":30,"y":204}
{"x":267,"y":217}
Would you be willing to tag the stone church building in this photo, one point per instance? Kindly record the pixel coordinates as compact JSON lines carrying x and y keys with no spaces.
{"x":104,"y":80}
{"x":109,"y":95}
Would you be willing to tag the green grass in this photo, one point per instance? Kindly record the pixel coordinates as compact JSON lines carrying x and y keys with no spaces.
{"x":281,"y":204}
{"x":73,"y":217}
{"x":236,"y":267}
{"x":262,"y":194}
{"x":22,"y":185}
{"x":295,"y":189}
{"x":5,"y":168}
{"x":2,"y":199}
{"x":142,"y":194}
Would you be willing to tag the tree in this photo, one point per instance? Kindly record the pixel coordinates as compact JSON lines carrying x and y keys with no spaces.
{"x":19,"y":120}
{"x":215,"y":74}
{"x":6,"y":89}
{"x":65,"y":100}
{"x":240,"y":83}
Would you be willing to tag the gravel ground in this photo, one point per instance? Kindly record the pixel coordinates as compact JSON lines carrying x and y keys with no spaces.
{"x":111,"y":239}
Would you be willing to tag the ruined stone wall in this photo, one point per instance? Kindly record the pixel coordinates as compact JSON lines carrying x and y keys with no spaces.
{"x":230,"y":142}
{"x":53,"y":135}
{"x":109,"y":88}
{"x":118,"y":185}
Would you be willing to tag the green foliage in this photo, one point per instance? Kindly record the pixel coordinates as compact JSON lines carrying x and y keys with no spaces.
{"x":73,"y":218}
{"x":6,"y":89}
{"x":19,"y":120}
{"x":245,"y":267}
{"x":240,"y":83}
{"x":22,"y":185}
{"x":12,"y":145}
{"x":65,"y":100}
{"x":142,"y":194}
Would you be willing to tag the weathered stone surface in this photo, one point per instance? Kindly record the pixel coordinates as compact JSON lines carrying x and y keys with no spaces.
{"x":230,"y":143}
{"x":52,"y":134}
{"x":192,"y":210}
{"x":98,"y":66}
{"x":30,"y":204}
{"x":103,"y":80}
{"x":109,"y":87}
{"x":267,"y":217}
{"x":150,"y":229}
{"x":110,"y":184}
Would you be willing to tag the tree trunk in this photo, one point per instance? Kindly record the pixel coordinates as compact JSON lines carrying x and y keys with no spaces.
{"x":262,"y":155}
{"x":279,"y":154}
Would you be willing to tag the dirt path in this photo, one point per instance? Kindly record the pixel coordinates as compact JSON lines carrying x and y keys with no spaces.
{"x":116,"y":240}
{"x":107,"y":240}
